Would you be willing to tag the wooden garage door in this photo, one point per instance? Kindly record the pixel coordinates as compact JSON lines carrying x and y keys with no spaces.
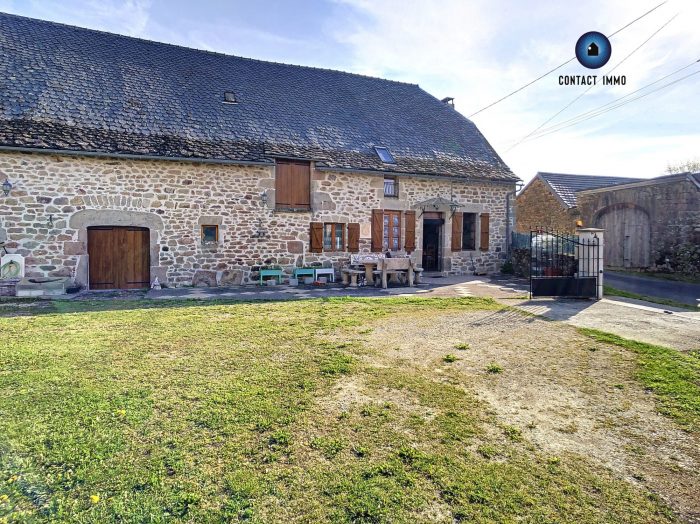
{"x":627,"y":237}
{"x":119,"y":257}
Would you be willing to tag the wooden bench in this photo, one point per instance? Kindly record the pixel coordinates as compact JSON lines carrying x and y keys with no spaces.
{"x":304,"y":271}
{"x":276,"y":273}
{"x":325,"y":271}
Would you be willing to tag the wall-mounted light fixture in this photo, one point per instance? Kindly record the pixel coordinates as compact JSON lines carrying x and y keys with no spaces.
{"x":263,"y":198}
{"x":261,"y":232}
{"x":6,"y":187}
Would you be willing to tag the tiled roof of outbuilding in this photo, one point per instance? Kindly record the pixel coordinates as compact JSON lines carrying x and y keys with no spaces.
{"x":565,"y":186}
{"x":67,"y":88}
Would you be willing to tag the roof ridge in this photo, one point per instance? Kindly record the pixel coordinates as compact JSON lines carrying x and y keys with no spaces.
{"x":217,"y":53}
{"x":582,"y":175}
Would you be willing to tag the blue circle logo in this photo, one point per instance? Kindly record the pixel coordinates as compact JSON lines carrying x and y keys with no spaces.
{"x":593,"y":50}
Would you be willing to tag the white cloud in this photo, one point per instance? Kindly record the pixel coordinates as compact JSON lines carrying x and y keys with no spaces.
{"x":127,"y":17}
{"x":479,"y":51}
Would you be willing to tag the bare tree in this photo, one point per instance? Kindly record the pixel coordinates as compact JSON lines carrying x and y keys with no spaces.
{"x":692,"y":166}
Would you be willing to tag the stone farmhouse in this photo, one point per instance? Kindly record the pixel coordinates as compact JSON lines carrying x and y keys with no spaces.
{"x":123,"y":160}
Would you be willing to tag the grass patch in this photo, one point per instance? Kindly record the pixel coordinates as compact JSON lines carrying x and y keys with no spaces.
{"x":612,"y":291}
{"x":449,"y":358}
{"x":122,"y":411}
{"x":494,"y":368}
{"x":673,"y":376}
{"x":462,"y":346}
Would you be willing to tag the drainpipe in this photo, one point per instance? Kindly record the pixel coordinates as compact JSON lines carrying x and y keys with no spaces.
{"x":518,"y":187}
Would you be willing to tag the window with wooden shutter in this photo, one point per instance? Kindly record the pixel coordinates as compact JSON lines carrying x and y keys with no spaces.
{"x":333,"y":237}
{"x":468,"y":231}
{"x":457,"y":232}
{"x":377,"y":229}
{"x":410,"y":227}
{"x":484,"y":240}
{"x":392,"y":231}
{"x":316,"y":237}
{"x":293,"y":185}
{"x":354,"y":238}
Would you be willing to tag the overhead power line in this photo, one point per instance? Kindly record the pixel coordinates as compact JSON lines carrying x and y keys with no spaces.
{"x":561,"y":65}
{"x":567,"y":106}
{"x":600,"y":111}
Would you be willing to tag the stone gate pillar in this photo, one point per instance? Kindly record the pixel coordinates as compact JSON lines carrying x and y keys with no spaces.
{"x":590,"y":264}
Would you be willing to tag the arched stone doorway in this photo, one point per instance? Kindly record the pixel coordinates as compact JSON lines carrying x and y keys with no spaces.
{"x":124,"y":244}
{"x":627,"y":235}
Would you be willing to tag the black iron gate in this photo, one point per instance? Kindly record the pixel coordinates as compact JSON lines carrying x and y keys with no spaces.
{"x":563,"y":265}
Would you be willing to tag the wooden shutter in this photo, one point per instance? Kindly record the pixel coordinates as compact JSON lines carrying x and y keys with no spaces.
{"x":410,"y":221}
{"x":457,"y":231}
{"x":301,"y":189}
{"x":316,"y":243}
{"x":377,"y":230}
{"x":354,"y":238}
{"x":292,"y":184}
{"x":484,"y":241}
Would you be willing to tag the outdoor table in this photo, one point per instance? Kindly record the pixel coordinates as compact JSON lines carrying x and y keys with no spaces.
{"x":369,"y":270}
{"x":395,"y":266}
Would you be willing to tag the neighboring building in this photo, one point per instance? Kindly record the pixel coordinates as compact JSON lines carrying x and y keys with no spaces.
{"x":549,"y":200}
{"x":131,"y":160}
{"x":647,"y":222}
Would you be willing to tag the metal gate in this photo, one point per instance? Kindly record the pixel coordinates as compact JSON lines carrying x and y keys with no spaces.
{"x":563,"y":265}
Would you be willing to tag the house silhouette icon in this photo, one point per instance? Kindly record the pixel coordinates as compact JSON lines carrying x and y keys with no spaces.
{"x":593,"y":49}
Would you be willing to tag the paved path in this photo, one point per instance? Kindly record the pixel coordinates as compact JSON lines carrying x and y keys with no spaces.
{"x":452,"y":286}
{"x":684,"y":292}
{"x":633,"y":319}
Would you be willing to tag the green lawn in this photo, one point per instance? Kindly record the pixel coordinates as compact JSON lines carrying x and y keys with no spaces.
{"x":672,"y":375}
{"x":141,"y":412}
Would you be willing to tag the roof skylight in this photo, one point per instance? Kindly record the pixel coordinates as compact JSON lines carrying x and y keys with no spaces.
{"x":385,"y":155}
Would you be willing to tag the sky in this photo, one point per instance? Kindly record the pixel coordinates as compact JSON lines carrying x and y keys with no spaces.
{"x":476,"y":51}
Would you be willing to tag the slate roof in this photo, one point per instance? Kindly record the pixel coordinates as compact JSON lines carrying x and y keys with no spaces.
{"x":565,"y":186}
{"x":68,"y":88}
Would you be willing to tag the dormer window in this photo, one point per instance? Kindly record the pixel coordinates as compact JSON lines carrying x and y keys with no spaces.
{"x":230,"y":97}
{"x":385,"y":155}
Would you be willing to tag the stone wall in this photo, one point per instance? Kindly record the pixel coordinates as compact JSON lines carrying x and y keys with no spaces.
{"x":537,"y":207}
{"x":672,"y":205}
{"x":56,"y":198}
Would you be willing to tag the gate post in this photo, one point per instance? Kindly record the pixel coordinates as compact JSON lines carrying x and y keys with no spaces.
{"x":590,"y":255}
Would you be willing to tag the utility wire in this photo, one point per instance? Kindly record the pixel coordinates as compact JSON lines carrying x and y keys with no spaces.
{"x":567,"y":106}
{"x":599,"y":108}
{"x":561,"y":65}
{"x":615,"y":107}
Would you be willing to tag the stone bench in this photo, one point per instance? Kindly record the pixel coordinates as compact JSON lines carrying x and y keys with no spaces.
{"x":417,"y":271}
{"x":350,"y":276}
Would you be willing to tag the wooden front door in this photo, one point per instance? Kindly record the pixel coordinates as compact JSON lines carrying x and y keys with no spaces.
{"x":119,"y":257}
